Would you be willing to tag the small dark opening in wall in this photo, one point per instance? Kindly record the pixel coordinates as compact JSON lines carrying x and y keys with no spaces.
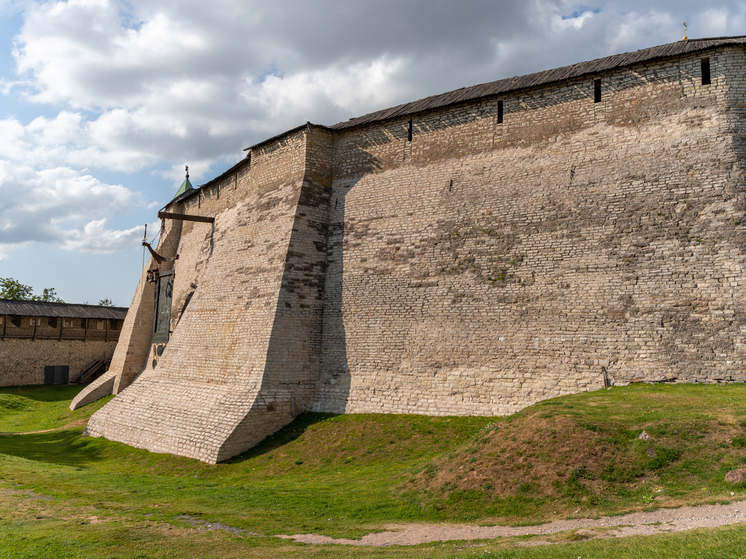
{"x":409,"y":132}
{"x":15,"y":321}
{"x":597,"y":91}
{"x":705,"y":63}
{"x":53,"y":322}
{"x":499,"y":112}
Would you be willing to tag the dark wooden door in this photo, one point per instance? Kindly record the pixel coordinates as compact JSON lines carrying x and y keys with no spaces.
{"x":163,"y":294}
{"x":56,"y":374}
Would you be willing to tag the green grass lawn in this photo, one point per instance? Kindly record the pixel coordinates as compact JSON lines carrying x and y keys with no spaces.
{"x":36,"y":408}
{"x":64,"y":495}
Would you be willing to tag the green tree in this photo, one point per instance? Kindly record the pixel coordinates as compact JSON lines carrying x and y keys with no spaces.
{"x":14,"y":289}
{"x":105,"y":303}
{"x":48,"y":295}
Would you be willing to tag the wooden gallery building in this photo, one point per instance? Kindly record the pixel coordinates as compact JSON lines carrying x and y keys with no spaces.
{"x":56,"y":343}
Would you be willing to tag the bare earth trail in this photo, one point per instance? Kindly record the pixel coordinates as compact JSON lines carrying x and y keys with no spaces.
{"x":634,"y":524}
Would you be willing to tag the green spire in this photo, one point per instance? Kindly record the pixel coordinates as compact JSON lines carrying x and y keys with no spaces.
{"x":185,"y":186}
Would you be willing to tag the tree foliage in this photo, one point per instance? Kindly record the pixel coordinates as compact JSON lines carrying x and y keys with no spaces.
{"x":11,"y":288}
{"x":48,"y":295}
{"x":105,"y":303}
{"x":14,"y":289}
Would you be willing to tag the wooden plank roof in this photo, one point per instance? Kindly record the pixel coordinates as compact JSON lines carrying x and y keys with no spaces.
{"x":539,"y":78}
{"x":62,"y":310}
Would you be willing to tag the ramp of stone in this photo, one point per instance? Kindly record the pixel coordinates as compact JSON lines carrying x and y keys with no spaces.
{"x":218,"y":387}
{"x":166,"y":415}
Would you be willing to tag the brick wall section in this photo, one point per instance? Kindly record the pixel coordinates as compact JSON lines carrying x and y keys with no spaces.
{"x":224,"y":371}
{"x":22,"y":362}
{"x":595,"y":237}
{"x":477,"y":269}
{"x":292,"y":362}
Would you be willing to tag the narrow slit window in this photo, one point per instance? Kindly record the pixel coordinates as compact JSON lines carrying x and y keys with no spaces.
{"x":499,"y":112}
{"x":705,"y":64}
{"x":597,"y":91}
{"x":409,"y":132}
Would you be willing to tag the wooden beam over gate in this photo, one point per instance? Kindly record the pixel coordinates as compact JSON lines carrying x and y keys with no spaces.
{"x":183,"y":217}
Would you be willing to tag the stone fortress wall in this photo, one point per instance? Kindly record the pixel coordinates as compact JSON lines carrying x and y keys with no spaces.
{"x":22,"y":362}
{"x":473,"y":258}
{"x":35,"y":335}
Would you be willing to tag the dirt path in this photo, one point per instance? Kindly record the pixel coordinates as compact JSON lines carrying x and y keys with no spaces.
{"x":635,"y":524}
{"x":76,"y":423}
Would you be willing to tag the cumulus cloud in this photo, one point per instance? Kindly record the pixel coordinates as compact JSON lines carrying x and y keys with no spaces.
{"x":154,"y":80}
{"x":59,"y":206}
{"x":95,"y":237}
{"x":151,"y":84}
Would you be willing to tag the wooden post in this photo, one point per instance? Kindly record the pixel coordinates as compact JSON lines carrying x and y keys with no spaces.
{"x":106,"y":329}
{"x":85,"y":329}
{"x":5,"y":324}
{"x":36,"y":321}
{"x":62,"y":320}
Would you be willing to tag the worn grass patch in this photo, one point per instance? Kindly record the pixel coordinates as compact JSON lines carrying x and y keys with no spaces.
{"x":585,"y":455}
{"x":64,"y":495}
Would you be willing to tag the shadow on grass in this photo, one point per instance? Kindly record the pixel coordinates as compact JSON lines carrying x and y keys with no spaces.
{"x":45,"y":392}
{"x":284,"y":436}
{"x":65,"y":448}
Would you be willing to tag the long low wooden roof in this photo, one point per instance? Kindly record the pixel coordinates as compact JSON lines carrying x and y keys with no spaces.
{"x":540,"y":78}
{"x":62,"y":310}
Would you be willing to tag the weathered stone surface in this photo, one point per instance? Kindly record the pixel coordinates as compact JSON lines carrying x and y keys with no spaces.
{"x":22,"y":361}
{"x":476,"y":269}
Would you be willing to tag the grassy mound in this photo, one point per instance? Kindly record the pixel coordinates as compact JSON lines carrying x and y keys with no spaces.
{"x":596,"y":453}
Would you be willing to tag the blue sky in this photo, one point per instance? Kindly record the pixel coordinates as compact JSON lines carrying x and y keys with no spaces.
{"x":102,"y":103}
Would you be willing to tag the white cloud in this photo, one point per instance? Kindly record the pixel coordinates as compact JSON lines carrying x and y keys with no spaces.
{"x":157,"y":84}
{"x":562,"y":23}
{"x":153,"y":83}
{"x":61,"y":207}
{"x":143,"y":82}
{"x":95,"y":237}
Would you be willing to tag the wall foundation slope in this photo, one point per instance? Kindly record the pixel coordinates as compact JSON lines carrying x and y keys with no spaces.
{"x":218,"y":386}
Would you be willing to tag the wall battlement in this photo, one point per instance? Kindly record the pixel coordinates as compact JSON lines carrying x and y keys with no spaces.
{"x":465,"y":254}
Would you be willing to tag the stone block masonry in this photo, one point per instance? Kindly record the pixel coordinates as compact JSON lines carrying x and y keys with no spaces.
{"x":22,"y":362}
{"x":528,"y":241}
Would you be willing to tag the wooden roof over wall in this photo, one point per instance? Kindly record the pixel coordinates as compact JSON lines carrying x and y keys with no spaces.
{"x":62,"y":310}
{"x":540,"y":78}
